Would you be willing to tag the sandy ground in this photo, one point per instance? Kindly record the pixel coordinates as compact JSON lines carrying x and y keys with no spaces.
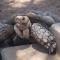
{"x":14,"y":7}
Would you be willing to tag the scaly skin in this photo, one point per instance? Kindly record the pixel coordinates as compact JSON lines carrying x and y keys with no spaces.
{"x":44,"y":37}
{"x":5,"y":31}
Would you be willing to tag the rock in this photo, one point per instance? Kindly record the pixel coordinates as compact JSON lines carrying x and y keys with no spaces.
{"x":24,"y":52}
{"x":5,"y":31}
{"x":55,"y":29}
{"x":43,"y":37}
{"x":22,"y":26}
{"x":38,"y":18}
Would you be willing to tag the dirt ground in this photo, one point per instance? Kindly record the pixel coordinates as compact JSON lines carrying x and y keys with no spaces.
{"x":14,"y":7}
